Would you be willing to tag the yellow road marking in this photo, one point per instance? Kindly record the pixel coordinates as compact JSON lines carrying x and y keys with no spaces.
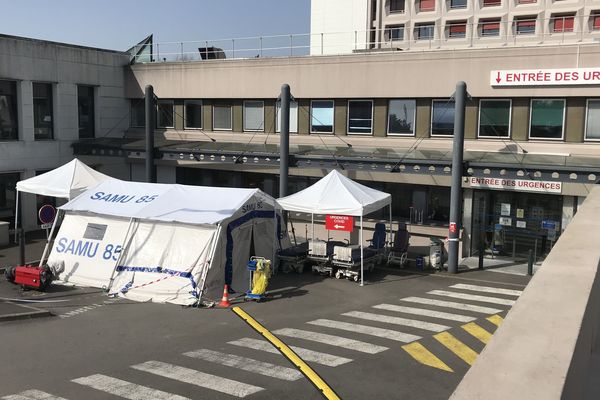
{"x":495,"y":319}
{"x":457,"y":347}
{"x":477,"y":331}
{"x":424,"y":356}
{"x":316,"y":380}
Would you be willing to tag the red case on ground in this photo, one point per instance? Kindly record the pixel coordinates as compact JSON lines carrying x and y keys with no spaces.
{"x":28,"y":276}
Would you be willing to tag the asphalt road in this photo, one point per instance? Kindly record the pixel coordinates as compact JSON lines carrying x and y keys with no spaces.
{"x":98,"y":348}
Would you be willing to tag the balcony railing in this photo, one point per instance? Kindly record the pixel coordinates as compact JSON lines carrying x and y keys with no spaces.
{"x":374,"y":40}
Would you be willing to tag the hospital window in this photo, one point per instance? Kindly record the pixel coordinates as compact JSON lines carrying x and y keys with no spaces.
{"x":8,"y":184}
{"x":401,"y":117}
{"x":394,"y":32}
{"x":525,"y":25}
{"x":293,"y":117}
{"x":254,"y":116}
{"x":360,"y":117}
{"x":321,"y":116}
{"x":9,"y":128}
{"x":85,"y":111}
{"x":396,"y":6}
{"x":458,"y":4}
{"x":442,"y":118}
{"x":43,"y":115}
{"x":489,"y":27}
{"x":426,"y":5}
{"x":494,"y":118}
{"x":595,"y":20}
{"x":457,"y":29}
{"x":491,"y":3}
{"x":562,"y":23}
{"x":138,"y":113}
{"x":222,"y":118}
{"x":547,"y":119}
{"x":192,"y":114}
{"x":592,"y":120}
{"x":164,"y":114}
{"x":424,"y":31}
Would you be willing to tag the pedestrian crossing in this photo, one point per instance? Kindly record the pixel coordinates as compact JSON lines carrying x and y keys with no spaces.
{"x":430,"y":330}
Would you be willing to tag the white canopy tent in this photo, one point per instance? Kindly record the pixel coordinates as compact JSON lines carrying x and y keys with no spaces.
{"x":337,"y":194}
{"x":164,"y":243}
{"x":66,"y":182}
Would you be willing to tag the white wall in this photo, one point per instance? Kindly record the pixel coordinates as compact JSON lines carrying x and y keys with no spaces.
{"x":337,"y":20}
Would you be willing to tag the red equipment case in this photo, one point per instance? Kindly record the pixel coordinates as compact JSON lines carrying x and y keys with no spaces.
{"x":34,"y":277}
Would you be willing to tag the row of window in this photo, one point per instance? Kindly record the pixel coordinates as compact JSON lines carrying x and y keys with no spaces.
{"x":399,"y":6}
{"x":487,"y":27}
{"x":43,"y":110}
{"x":546,"y":117}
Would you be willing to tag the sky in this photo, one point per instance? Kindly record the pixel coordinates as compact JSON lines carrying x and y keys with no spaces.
{"x":120,"y":24}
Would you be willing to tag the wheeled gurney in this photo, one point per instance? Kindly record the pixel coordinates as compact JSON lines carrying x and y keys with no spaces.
{"x":321,"y":252}
{"x":293,"y":258}
{"x":346,"y":259}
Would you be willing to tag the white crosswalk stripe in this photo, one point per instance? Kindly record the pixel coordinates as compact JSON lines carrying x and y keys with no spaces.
{"x":472,"y":297}
{"x":125,"y":389}
{"x":316,"y":357}
{"x":413,"y":323}
{"x":487,"y":289}
{"x":367,"y":330}
{"x":452,"y":304}
{"x":331,"y":340}
{"x":424,"y":312}
{"x":32,"y":395}
{"x":187,"y":375}
{"x":246,"y":364}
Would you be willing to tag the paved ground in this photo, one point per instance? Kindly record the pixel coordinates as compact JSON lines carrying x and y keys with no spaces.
{"x":403,"y":335}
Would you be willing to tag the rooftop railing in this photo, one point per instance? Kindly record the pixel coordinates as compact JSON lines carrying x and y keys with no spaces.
{"x":486,"y":33}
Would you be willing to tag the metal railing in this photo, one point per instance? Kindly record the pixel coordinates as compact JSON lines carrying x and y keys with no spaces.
{"x":404,"y":38}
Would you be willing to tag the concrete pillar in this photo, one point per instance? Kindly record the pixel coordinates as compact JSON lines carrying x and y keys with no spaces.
{"x":568,"y":211}
{"x":25,"y":110}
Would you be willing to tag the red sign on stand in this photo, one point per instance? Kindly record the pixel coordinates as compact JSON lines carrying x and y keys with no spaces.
{"x":339,"y":223}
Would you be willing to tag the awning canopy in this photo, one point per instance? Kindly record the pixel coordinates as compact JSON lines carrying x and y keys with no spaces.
{"x":67,"y":181}
{"x":167,"y":202}
{"x":336,"y":194}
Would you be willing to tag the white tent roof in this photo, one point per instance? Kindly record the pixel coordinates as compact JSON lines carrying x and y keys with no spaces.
{"x":165,"y":202}
{"x":67,"y":181}
{"x":336,"y":194}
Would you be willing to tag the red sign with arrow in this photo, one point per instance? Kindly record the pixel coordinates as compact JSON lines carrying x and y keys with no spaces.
{"x":339,"y":223}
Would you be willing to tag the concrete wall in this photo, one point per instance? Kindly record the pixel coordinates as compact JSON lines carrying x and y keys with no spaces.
{"x":544,"y":347}
{"x":27,"y":61}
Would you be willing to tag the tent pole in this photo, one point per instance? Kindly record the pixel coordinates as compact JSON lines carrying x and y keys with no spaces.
{"x":390,"y":238}
{"x":49,"y":239}
{"x":361,"y":251}
{"x":275,"y":241}
{"x":312,"y":225}
{"x":112,"y":275}
{"x":16,"y":215}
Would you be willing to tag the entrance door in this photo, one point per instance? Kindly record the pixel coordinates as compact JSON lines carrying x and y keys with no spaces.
{"x":419,"y":206}
{"x":481,"y":220}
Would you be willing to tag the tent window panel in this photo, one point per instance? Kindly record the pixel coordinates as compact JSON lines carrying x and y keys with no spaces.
{"x":95,"y":231}
{"x":193,"y":114}
{"x":442,"y":118}
{"x":222,"y":118}
{"x":547,"y":119}
{"x":293,"y":117}
{"x":592,"y":127}
{"x":360,"y":117}
{"x":254,"y":116}
{"x":321,"y":116}
{"x":401,"y":117}
{"x":494,"y":118}
{"x":9,"y":129}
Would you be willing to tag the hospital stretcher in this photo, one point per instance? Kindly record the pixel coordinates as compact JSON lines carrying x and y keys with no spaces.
{"x":293,"y":258}
{"x":346,"y":260}
{"x":320,"y":253}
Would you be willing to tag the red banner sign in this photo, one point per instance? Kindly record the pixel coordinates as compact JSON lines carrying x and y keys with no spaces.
{"x":339,"y":223}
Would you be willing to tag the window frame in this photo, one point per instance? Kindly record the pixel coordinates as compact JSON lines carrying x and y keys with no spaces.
{"x":527,"y":18}
{"x":333,"y":119}
{"x":397,"y":11}
{"x":262,"y":125}
{"x":14,"y":110}
{"x":93,"y":111}
{"x":420,"y":9}
{"x":131,"y":112}
{"x":451,"y":24}
{"x":585,"y":126}
{"x":52,"y":105}
{"x":201,"y":104}
{"x":450,"y":7}
{"x":277,"y":119}
{"x":562,"y":138}
{"x":230,"y":107}
{"x":564,"y":17}
{"x":370,"y":133}
{"x":388,"y":133}
{"x":486,"y":21}
{"x":594,"y":15}
{"x":479,"y":135}
{"x":494,"y":3}
{"x":420,"y":25}
{"x":431,"y":134}
{"x":165,"y":101}
{"x":396,"y":27}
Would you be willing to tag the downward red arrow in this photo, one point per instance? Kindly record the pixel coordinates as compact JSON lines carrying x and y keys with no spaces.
{"x":498,"y":78}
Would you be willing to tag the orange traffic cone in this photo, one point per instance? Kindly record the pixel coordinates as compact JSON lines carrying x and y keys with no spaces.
{"x":225,"y":300}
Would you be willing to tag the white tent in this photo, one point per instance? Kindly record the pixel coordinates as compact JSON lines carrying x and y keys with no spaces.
{"x":164,"y":243}
{"x":66,"y":182}
{"x":337,"y":194}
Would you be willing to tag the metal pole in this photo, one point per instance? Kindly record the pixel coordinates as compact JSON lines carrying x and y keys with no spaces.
{"x":361,"y":251}
{"x":150,"y":121}
{"x":284,"y":139}
{"x":530,"y":263}
{"x":457,"y":164}
{"x":481,"y":250}
{"x":21,"y":235}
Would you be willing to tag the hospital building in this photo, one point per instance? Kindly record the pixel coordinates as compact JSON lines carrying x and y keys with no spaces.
{"x":372,"y":86}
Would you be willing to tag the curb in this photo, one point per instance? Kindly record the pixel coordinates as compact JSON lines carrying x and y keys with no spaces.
{"x":34,"y":313}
